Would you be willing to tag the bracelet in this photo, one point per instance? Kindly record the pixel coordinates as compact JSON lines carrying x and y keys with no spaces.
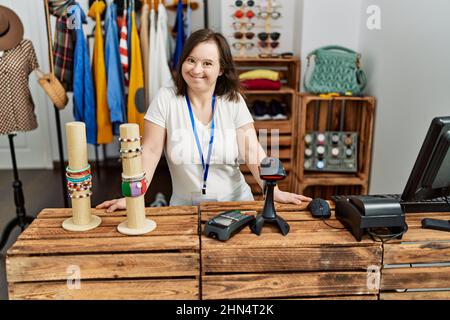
{"x":78,"y":180}
{"x":136,"y":178}
{"x":134,"y":189}
{"x":81,"y":196}
{"x":122,"y":151}
{"x":78,"y":171}
{"x":130,"y":139}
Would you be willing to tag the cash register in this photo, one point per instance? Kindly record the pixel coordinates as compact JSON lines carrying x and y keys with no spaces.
{"x":427,"y":190}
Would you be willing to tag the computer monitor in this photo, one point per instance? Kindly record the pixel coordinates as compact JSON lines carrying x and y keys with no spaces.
{"x":430,"y":176}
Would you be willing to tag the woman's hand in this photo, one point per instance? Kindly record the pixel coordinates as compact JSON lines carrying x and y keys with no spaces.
{"x":287,"y":197}
{"x":113,"y":205}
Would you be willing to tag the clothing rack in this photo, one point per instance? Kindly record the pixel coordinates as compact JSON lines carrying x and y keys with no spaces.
{"x":57,"y":115}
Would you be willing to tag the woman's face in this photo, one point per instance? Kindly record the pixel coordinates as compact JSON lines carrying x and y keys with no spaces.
{"x":201,"y":68}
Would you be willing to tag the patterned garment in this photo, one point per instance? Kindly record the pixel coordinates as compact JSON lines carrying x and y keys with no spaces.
{"x":63,"y":53}
{"x":64,"y":42}
{"x":16,"y":103}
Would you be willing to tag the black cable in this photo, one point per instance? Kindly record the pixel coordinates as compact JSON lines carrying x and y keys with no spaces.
{"x":386,"y":237}
{"x":339,"y":228}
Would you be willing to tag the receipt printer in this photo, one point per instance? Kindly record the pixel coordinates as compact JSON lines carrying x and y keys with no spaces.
{"x":362,"y":213}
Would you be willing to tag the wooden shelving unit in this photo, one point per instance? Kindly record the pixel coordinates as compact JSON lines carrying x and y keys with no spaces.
{"x":359,"y":117}
{"x":289,"y":70}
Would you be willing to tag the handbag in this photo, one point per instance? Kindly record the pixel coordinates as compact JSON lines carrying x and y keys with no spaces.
{"x":53,"y":88}
{"x":336,"y":69}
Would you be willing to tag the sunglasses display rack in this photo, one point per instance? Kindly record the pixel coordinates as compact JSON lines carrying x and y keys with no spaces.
{"x":333,"y":151}
{"x":255,"y":27}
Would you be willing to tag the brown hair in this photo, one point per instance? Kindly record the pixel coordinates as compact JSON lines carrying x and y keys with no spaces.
{"x":228,"y":83}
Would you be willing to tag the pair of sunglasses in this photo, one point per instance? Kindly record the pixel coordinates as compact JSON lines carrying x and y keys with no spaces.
{"x":264,"y":36}
{"x":265,"y":44}
{"x":269,"y":14}
{"x":239,"y":25}
{"x":276,"y":55}
{"x":241,"y":14}
{"x":247,"y":35}
{"x":240,"y":45}
{"x":240,"y":3}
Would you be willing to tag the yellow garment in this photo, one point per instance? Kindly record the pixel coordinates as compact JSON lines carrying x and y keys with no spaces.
{"x":260,"y":74}
{"x":136,"y":93}
{"x":104,"y":127}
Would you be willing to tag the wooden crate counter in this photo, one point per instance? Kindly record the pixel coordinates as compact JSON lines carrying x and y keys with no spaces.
{"x":312,"y":261}
{"x":418,"y":265}
{"x":163,"y":264}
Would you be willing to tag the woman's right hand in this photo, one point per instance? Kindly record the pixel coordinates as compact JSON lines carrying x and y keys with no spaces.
{"x":113,"y":205}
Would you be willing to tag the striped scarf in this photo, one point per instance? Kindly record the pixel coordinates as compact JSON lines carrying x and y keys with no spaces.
{"x":64,"y":43}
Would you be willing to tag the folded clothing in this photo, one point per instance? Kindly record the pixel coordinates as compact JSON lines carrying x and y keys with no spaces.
{"x":261,"y":84}
{"x":260,"y":74}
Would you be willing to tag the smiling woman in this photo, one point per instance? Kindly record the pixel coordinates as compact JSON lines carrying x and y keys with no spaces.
{"x":205,"y":128}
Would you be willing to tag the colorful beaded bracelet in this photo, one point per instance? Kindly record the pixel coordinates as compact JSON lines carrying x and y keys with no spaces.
{"x":124,"y":151}
{"x":130,"y":139}
{"x":81,"y":196}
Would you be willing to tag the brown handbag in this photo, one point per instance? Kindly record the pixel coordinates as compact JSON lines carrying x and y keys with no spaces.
{"x":53,"y":88}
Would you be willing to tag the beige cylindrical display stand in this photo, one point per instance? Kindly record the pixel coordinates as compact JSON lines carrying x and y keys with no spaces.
{"x":82,"y":219}
{"x":136,"y":223}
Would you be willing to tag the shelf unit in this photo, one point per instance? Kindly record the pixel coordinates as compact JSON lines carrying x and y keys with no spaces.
{"x":359,"y":117}
{"x":289,"y":70}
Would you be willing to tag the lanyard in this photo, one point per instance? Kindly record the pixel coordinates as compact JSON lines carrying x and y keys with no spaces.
{"x":197,"y":140}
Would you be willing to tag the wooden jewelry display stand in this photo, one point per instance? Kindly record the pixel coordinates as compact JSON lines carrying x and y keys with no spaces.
{"x":82,"y":219}
{"x":136,"y":223}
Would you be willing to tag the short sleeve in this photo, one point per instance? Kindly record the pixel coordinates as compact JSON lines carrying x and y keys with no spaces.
{"x":242,"y":115}
{"x":158,"y":110}
{"x":32,"y":59}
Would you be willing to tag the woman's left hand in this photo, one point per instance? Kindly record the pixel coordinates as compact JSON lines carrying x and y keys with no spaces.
{"x":287,"y":197}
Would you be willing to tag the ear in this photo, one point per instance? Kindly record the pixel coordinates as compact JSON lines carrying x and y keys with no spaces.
{"x":220,"y":72}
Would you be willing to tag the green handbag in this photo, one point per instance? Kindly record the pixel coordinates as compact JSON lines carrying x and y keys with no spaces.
{"x":336,"y":69}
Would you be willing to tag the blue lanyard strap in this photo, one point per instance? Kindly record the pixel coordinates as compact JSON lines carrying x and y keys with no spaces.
{"x":205,"y":166}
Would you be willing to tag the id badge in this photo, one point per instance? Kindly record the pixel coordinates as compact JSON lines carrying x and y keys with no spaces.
{"x":198,"y":197}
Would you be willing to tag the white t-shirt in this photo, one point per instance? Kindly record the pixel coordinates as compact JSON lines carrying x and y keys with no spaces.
{"x":224,"y":178}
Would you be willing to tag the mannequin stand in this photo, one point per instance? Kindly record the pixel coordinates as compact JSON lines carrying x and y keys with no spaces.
{"x":21,"y":220}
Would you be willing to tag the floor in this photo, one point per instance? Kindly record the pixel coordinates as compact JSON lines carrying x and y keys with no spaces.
{"x":42,"y":189}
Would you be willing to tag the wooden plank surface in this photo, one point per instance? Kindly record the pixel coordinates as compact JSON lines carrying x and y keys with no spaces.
{"x":428,"y":295}
{"x":102,"y":266}
{"x":157,"y":211}
{"x":51,"y":228}
{"x":284,"y":285}
{"x":170,"y":289}
{"x":415,"y":278}
{"x":104,"y":245}
{"x":289,"y":259}
{"x":426,"y":252}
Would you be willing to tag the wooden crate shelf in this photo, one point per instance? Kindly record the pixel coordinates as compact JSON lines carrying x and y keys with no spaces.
{"x":417,"y":266}
{"x":359,"y":117}
{"x":111,"y":265}
{"x":289,"y":70}
{"x":313,"y":260}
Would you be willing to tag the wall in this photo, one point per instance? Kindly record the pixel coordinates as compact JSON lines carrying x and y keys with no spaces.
{"x":327,"y":22}
{"x":408,"y":63}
